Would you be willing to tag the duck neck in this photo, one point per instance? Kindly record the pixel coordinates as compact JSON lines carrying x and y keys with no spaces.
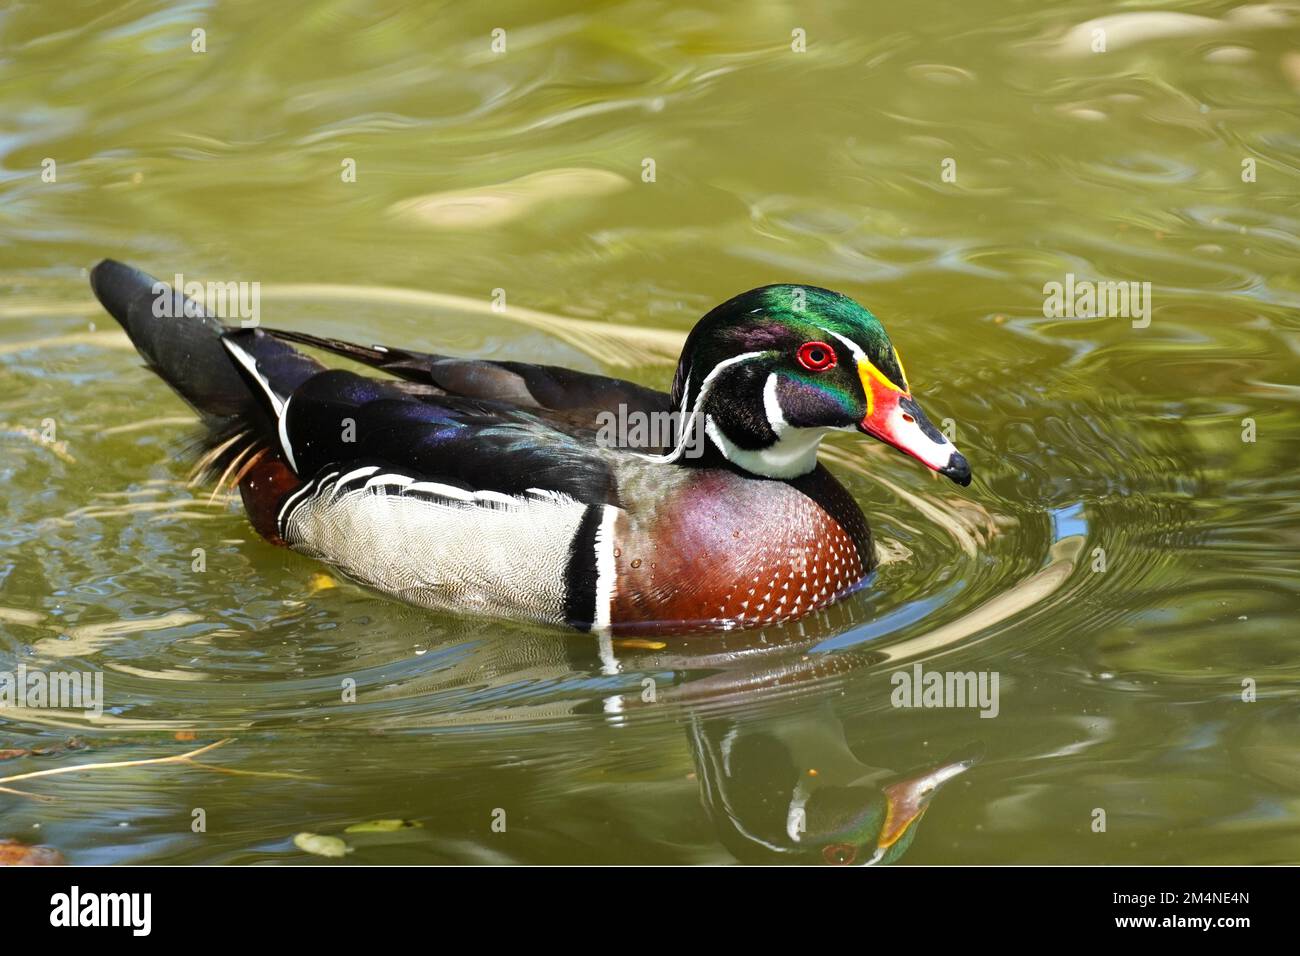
{"x":788,"y":456}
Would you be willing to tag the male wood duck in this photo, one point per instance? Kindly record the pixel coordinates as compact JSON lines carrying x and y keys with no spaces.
{"x":486,"y":487}
{"x":787,"y":789}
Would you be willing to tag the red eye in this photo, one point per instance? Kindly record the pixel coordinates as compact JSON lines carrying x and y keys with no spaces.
{"x":816,"y":356}
{"x":839,"y":854}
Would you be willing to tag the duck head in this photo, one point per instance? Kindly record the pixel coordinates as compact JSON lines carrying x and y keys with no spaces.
{"x":855,"y":825}
{"x":771,"y":371}
{"x":786,"y":788}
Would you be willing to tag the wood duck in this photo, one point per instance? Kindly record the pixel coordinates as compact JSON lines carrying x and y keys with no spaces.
{"x":787,"y":789}
{"x":501,"y":488}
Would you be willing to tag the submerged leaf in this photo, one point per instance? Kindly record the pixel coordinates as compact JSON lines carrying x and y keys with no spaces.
{"x":383,"y":826}
{"x":319,"y":845}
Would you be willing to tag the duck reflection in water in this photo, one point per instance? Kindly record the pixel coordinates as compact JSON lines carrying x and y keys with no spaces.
{"x":787,"y":789}
{"x":775,"y":771}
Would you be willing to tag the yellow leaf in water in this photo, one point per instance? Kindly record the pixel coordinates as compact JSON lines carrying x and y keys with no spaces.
{"x":320,"y":582}
{"x":383,"y":826}
{"x":319,"y":845}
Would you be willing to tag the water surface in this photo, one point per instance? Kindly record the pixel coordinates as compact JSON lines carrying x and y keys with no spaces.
{"x":1124,"y":560}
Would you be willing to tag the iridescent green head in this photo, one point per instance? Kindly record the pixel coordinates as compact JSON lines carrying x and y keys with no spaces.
{"x":772,"y":370}
{"x":845,"y":826}
{"x":848,"y":825}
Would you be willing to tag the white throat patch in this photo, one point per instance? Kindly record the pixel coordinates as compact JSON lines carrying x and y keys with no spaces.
{"x":793,"y":453}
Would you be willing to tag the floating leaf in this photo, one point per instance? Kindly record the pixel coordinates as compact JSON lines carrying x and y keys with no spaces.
{"x":383,"y":826}
{"x":319,"y":845}
{"x":321,"y":582}
{"x":639,"y":644}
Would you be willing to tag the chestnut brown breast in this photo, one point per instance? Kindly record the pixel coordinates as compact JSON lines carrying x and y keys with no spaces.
{"x":724,"y":548}
{"x":264,"y":487}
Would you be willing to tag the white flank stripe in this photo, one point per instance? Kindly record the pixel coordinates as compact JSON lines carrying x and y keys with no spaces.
{"x":283,"y":429}
{"x":442,"y":491}
{"x":548,"y":495}
{"x":388,"y":479}
{"x":605,"y":570}
{"x":356,"y":473}
{"x":289,"y":502}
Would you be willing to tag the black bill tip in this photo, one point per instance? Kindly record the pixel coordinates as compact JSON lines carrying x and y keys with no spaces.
{"x":958,"y":469}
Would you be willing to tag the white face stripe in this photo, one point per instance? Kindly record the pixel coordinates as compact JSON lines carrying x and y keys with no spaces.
{"x":681,"y":439}
{"x":685,"y":431}
{"x":793,"y":453}
{"x":772,"y":406}
{"x":861,"y":356}
{"x":853,"y":347}
{"x":721,"y":769}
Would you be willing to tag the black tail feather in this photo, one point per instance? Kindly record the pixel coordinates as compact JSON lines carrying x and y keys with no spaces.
{"x":187,"y":349}
{"x":376,"y":356}
{"x":178,"y":340}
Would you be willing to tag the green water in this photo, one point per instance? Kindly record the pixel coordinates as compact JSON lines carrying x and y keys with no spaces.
{"x":1124,"y":560}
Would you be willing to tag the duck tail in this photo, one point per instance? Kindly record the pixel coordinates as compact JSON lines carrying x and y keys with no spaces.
{"x":236,"y":379}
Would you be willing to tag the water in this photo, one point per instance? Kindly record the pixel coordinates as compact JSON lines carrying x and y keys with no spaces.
{"x":1124,"y":561}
